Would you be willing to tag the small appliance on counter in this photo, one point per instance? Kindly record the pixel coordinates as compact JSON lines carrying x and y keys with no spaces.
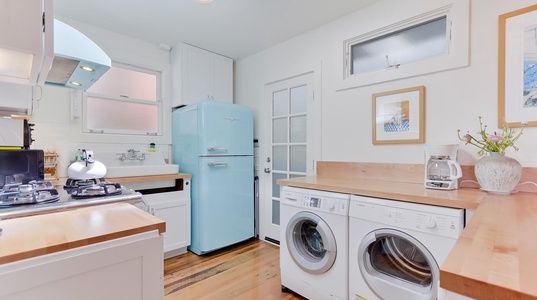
{"x":442,"y":170}
{"x":15,"y":133}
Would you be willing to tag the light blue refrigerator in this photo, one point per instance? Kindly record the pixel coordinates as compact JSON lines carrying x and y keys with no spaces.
{"x":213,"y":141}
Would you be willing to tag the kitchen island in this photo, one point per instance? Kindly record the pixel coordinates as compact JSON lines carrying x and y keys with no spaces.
{"x":96,"y":252}
{"x":494,"y":258}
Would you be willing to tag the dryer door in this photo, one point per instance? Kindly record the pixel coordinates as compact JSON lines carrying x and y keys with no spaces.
{"x":395,"y":265}
{"x":310,"y":242}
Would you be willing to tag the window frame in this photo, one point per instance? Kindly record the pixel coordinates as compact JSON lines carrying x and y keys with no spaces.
{"x":457,"y":13}
{"x":158,"y":103}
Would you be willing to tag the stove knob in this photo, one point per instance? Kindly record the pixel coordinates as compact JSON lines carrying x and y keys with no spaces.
{"x":430,"y":223}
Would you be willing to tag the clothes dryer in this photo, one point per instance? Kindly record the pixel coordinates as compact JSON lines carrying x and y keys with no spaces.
{"x":396,"y":248}
{"x":314,"y":245}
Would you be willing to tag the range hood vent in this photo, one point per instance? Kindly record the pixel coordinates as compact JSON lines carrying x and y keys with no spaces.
{"x":78,"y":61}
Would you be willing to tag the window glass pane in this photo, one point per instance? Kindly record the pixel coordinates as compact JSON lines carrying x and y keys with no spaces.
{"x":280,"y":103}
{"x":126,"y":83}
{"x":279,"y":161}
{"x":298,"y":129}
{"x":279,"y":130}
{"x":297,"y":159}
{"x":119,"y":115}
{"x":411,"y":44}
{"x":299,"y":99}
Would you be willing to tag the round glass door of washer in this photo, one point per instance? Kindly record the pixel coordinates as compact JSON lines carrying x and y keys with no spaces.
{"x":311,"y":243}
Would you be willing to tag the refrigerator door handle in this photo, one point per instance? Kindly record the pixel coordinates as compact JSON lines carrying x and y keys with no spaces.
{"x":216,"y":149}
{"x":215,"y":164}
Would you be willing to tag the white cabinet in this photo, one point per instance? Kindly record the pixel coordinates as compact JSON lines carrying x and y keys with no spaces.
{"x":199,"y":74}
{"x":26,"y":40}
{"x":174,"y":209}
{"x":172,"y":205}
{"x":126,"y":268}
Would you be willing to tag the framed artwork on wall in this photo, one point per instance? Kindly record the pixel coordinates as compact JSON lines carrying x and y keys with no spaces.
{"x":517,"y":68}
{"x":399,"y":116}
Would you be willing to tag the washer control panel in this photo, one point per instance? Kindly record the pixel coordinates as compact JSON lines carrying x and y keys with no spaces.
{"x":326,"y":204}
{"x":314,"y":200}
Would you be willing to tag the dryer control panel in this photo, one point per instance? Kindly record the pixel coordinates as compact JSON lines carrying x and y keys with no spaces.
{"x":441,"y":221}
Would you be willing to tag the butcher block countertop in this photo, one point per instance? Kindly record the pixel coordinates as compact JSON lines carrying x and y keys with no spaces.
{"x":496,"y":255}
{"x":27,"y":237}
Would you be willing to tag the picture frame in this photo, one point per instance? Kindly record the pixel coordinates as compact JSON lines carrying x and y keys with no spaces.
{"x":399,"y":116}
{"x":517,"y":68}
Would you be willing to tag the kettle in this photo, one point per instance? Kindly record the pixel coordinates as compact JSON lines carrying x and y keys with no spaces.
{"x":89,"y":168}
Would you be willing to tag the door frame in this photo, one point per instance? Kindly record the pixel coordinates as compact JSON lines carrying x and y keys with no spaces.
{"x":265,"y":125}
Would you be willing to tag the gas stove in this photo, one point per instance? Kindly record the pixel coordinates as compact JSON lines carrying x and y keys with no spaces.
{"x":40,"y":197}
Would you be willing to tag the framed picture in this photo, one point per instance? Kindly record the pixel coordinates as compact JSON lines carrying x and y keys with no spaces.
{"x":399,"y":116}
{"x":517,"y":67}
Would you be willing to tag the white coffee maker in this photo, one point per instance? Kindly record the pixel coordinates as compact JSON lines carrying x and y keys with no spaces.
{"x":441,"y":167}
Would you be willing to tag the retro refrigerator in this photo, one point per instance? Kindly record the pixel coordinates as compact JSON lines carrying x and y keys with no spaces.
{"x":213,"y":141}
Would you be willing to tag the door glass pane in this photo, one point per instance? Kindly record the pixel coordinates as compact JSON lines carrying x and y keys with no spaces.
{"x":118,"y":115}
{"x":280,"y":103}
{"x":279,"y":158}
{"x":276,"y":212}
{"x":279,"y":130}
{"x":410,"y":44}
{"x":298,"y":129}
{"x":297,"y":158}
{"x":275,"y":185}
{"x":299,"y":99}
{"x":399,"y":258}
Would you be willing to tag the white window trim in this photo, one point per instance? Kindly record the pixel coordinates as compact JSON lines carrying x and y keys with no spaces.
{"x":158,"y":103}
{"x":458,"y":18}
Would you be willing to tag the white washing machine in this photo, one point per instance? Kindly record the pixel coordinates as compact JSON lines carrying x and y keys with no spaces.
{"x":396,"y":248}
{"x":314,"y":246}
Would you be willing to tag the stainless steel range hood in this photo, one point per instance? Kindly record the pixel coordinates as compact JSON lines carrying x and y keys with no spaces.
{"x":78,"y":61}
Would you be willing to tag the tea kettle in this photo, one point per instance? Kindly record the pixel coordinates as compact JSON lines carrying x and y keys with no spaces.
{"x":89,"y":168}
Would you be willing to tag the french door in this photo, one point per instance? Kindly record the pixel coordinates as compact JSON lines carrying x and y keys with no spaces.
{"x":288,"y":108}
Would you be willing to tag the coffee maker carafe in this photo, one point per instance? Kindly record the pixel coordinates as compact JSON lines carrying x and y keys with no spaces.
{"x":442,"y":170}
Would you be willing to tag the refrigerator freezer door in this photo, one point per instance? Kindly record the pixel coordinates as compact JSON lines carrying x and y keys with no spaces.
{"x":225,"y":129}
{"x":222,"y":202}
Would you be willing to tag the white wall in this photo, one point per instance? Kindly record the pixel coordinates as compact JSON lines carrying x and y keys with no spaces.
{"x":454,"y":98}
{"x":56,"y":130}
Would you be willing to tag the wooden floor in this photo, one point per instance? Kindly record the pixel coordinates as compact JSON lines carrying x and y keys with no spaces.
{"x":250,"y":270}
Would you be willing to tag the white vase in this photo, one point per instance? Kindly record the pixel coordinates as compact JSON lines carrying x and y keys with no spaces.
{"x":497,"y":173}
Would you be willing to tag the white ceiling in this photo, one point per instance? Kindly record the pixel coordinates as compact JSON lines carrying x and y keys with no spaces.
{"x":234,"y":28}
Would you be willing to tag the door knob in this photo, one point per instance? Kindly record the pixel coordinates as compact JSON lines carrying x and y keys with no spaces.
{"x":267,"y":170}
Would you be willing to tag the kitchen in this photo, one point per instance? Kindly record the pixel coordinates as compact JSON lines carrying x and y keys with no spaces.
{"x":451,"y":102}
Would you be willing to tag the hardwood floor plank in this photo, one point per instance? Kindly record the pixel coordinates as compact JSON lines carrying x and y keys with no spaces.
{"x":249,"y":270}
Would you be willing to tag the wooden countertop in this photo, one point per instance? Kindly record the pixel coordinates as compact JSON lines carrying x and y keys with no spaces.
{"x":410,"y":192}
{"x":32,"y":236}
{"x":496,"y":255}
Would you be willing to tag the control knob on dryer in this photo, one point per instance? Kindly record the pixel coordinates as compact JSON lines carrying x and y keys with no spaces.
{"x":330,"y":205}
{"x":430,"y":223}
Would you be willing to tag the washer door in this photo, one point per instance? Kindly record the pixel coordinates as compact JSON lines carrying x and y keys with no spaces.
{"x":395,"y":265}
{"x":310,"y":242}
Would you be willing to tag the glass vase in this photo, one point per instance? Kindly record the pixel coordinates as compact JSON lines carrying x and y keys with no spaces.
{"x":497,"y":173}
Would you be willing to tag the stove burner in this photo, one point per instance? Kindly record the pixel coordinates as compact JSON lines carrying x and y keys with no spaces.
{"x":35,"y":192}
{"x":74,"y":183}
{"x":96,"y":190}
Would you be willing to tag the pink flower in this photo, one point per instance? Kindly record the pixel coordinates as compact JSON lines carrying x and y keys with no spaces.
{"x":467,"y":137}
{"x":495,"y":137}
